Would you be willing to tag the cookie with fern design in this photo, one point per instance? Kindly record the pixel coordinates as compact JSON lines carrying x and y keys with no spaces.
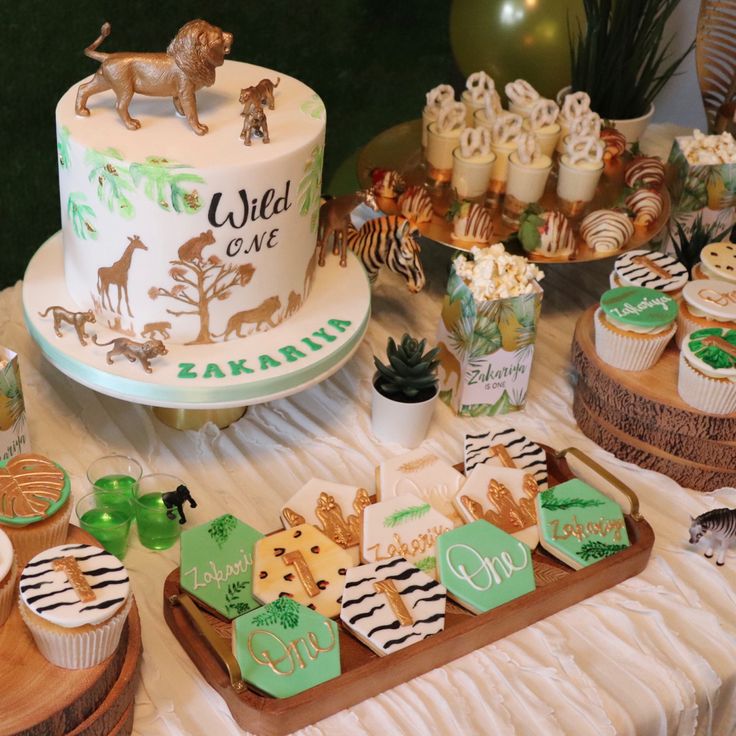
{"x":217,"y":565}
{"x":403,"y":526}
{"x":579,"y":525}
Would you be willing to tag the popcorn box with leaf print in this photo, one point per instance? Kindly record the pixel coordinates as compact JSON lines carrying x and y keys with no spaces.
{"x":486,"y":349}
{"x":702,"y":188}
{"x":14,"y":438}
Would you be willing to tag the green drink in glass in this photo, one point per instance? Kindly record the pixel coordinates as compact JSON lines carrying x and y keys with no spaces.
{"x":155,"y":529}
{"x":115,"y":473}
{"x":107,"y":516}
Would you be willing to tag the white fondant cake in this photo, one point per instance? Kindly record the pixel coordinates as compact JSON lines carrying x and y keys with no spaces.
{"x":194,"y":239}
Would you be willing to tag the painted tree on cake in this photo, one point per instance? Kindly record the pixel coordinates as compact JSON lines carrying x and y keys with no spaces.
{"x":310,"y":187}
{"x":81,"y":215}
{"x":199,"y":282}
{"x":163,"y":183}
{"x":113,"y":179}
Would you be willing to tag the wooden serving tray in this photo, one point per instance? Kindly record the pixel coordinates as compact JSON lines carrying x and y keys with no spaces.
{"x":640,"y":417}
{"x":39,"y":699}
{"x":398,"y":148}
{"x":364,"y":674}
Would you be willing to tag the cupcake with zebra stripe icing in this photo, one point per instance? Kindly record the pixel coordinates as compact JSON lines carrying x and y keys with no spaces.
{"x":651,"y":270}
{"x":75,"y":599}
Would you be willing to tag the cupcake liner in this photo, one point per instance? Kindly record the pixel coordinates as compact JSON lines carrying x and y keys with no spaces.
{"x":702,"y":392}
{"x":76,"y":651}
{"x":629,"y":353}
{"x":7,"y":593}
{"x":31,"y":539}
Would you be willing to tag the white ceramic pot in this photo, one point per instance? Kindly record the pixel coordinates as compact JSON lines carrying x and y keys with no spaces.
{"x":401,"y":422}
{"x":632,"y":128}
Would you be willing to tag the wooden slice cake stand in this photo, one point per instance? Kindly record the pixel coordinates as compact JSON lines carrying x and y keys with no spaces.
{"x":39,"y":699}
{"x":640,"y":417}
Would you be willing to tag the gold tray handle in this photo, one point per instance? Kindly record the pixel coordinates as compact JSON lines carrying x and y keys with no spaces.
{"x":217,"y":643}
{"x":606,"y":475}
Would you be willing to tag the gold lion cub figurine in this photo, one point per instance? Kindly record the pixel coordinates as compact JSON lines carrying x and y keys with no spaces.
{"x":132,"y":350}
{"x":78,"y":320}
{"x":188,"y":64}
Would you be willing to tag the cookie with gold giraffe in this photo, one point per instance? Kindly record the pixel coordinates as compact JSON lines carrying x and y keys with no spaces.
{"x":503,"y":497}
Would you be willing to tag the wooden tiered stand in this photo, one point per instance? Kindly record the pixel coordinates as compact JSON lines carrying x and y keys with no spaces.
{"x":207,"y":639}
{"x":39,"y":699}
{"x":640,"y":417}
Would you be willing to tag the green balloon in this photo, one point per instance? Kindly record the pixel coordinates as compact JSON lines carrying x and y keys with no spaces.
{"x":515,"y":39}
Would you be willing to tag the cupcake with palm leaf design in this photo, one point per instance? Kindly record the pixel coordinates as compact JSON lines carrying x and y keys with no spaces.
{"x":707,"y":371}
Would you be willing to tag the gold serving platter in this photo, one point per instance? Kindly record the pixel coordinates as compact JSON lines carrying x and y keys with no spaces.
{"x":398,"y":148}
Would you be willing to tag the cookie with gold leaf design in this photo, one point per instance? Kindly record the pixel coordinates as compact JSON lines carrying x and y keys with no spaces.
{"x":34,"y":504}
{"x":334,"y":508}
{"x":425,"y":475}
{"x":503,"y":497}
{"x":303,"y":564}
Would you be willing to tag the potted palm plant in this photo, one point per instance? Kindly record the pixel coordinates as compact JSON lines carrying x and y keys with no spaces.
{"x":621,"y":59}
{"x":404,"y":392}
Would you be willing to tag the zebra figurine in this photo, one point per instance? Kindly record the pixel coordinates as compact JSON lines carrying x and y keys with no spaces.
{"x":389,"y":241}
{"x":720,"y":524}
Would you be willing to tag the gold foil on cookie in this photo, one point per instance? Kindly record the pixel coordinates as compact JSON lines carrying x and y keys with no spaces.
{"x":70,"y":567}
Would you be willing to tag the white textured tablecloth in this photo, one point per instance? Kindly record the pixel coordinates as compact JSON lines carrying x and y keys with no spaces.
{"x":654,"y":655}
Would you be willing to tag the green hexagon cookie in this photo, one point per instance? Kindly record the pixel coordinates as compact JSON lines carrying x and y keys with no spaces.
{"x":579,"y":525}
{"x":217,"y":565}
{"x":483,"y":567}
{"x":285,"y":648}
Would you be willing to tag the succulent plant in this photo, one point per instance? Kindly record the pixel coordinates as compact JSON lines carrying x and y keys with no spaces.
{"x":410,"y":374}
{"x":690,"y":240}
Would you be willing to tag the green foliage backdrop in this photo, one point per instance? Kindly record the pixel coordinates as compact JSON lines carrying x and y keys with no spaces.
{"x":371,"y":63}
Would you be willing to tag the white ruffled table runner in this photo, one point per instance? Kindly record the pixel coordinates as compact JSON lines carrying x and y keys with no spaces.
{"x":654,"y":655}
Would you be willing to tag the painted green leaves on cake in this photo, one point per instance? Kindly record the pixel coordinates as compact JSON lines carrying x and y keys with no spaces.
{"x":314,"y":107}
{"x":234,"y":606}
{"x":549,"y":500}
{"x":163,"y":182}
{"x":283,"y":611}
{"x":221,"y":528}
{"x":406,"y":514}
{"x":310,"y":187}
{"x":63,"y":150}
{"x":594,"y":550}
{"x":107,"y":169}
{"x":80,"y":215}
{"x":715,"y":346}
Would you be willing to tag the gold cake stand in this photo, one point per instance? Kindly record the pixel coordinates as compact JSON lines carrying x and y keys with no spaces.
{"x":398,"y":148}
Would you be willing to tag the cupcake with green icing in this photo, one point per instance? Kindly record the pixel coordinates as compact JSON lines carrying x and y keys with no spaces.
{"x":35,"y":504}
{"x":633,"y":326}
{"x":707,"y":373}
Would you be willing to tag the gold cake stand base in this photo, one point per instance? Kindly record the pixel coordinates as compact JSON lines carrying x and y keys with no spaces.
{"x":197,"y":418}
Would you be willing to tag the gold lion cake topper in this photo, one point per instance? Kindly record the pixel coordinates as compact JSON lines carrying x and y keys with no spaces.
{"x":188,"y":64}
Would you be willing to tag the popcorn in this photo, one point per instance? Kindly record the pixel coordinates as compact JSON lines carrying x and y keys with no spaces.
{"x":709,"y":149}
{"x":496,"y":274}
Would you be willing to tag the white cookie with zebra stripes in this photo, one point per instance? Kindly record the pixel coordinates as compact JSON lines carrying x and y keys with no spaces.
{"x":391,"y":605}
{"x":523,"y":452}
{"x":649,"y":269}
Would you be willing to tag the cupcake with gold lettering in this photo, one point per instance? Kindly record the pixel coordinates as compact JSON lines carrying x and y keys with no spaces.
{"x":7,"y":577}
{"x":34,"y":504}
{"x":75,"y":598}
{"x":633,"y":326}
{"x":706,"y":303}
{"x":707,"y":373}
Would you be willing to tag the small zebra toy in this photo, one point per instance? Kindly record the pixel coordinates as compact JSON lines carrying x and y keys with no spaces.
{"x":720,"y":524}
